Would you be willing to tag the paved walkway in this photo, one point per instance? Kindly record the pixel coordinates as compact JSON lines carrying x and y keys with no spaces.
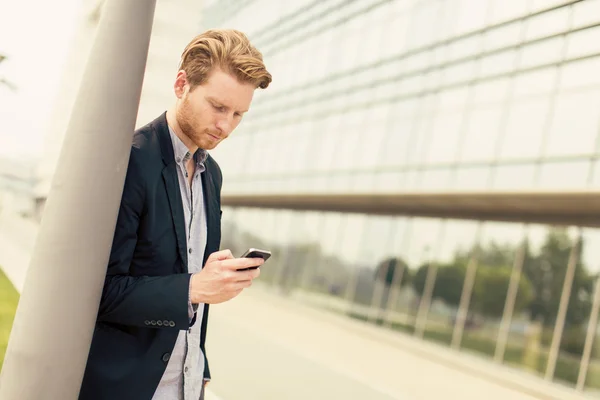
{"x":264,"y":346}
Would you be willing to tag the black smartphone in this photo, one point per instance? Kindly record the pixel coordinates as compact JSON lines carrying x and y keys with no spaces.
{"x":255,"y":253}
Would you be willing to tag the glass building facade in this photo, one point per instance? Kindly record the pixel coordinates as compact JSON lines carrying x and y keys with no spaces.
{"x":427,"y":96}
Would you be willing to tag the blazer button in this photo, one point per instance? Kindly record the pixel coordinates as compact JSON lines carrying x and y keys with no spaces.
{"x":166,"y":357}
{"x":146,"y":322}
{"x":153,"y":322}
{"x":171,"y":324}
{"x":159,"y":323}
{"x":165,"y":323}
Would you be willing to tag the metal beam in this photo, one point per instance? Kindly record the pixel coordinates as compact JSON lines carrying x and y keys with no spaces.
{"x":555,"y":208}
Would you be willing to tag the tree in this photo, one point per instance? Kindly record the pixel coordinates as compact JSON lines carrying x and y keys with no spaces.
{"x":388,"y":268}
{"x":547,"y":273}
{"x":448,"y":283}
{"x":491,"y":288}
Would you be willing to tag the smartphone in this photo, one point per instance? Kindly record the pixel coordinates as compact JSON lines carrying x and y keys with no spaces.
{"x":255,"y":253}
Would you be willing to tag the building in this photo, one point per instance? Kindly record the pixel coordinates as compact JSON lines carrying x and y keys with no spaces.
{"x":424,"y":130}
{"x":446,"y":136}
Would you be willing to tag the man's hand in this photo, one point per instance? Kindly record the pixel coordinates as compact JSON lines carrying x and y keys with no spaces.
{"x":220,"y":279}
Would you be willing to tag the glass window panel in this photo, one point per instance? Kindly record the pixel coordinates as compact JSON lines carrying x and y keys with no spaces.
{"x":472,"y":178}
{"x":460,"y":235}
{"x":524,"y":130}
{"x":395,"y":34}
{"x":584,"y":43}
{"x":490,"y":92}
{"x":535,"y":82}
{"x":422,"y":130}
{"x":424,"y":241}
{"x":471,"y":15}
{"x":564,"y":176}
{"x":445,"y":138}
{"x":388,"y":182}
{"x":441,"y":54}
{"x":398,"y":141}
{"x":575,"y":123}
{"x":514,"y":177}
{"x":363,"y":182}
{"x":591,"y":249}
{"x":377,"y":240}
{"x":423,"y":19}
{"x":460,"y":73}
{"x":581,"y":74}
{"x":463,"y":48}
{"x":417,"y":62}
{"x":433,"y":79}
{"x":372,"y":134}
{"x":410,"y":85}
{"x":548,"y":51}
{"x":351,"y":237}
{"x":439,"y":180}
{"x":503,"y":36}
{"x":505,"y":10}
{"x":328,"y":142}
{"x":348,"y":141}
{"x":399,"y":133}
{"x":548,"y":23}
{"x":371,"y":35}
{"x":453,"y":99}
{"x":481,"y":134}
{"x":496,"y":64}
{"x":585,"y":13}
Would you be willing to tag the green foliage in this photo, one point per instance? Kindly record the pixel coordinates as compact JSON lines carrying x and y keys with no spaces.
{"x":8,"y":306}
{"x":491,"y":289}
{"x":387,"y":270}
{"x":547,"y":273}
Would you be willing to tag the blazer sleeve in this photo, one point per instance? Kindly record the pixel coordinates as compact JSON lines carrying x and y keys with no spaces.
{"x":139,"y":300}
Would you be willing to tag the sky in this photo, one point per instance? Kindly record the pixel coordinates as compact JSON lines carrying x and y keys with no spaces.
{"x":35,"y":36}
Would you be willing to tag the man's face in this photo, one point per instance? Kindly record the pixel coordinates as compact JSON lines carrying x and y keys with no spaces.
{"x":210,"y":112}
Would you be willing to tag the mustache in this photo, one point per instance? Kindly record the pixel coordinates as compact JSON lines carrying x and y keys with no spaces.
{"x":214,"y":133}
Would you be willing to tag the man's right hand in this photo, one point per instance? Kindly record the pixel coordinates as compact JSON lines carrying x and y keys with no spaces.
{"x":220,"y":279}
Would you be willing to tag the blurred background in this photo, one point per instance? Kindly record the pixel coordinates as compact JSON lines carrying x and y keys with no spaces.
{"x":425,"y":173}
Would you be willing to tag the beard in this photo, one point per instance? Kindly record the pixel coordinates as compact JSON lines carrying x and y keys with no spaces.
{"x":186,"y":121}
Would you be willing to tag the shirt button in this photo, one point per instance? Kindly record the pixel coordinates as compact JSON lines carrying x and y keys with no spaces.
{"x":185,"y":369}
{"x":190,"y":250}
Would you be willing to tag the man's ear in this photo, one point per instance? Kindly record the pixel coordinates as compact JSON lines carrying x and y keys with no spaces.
{"x":181,"y":84}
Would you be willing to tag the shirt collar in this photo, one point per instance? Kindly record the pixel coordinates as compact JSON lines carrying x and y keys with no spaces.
{"x":182,"y":153}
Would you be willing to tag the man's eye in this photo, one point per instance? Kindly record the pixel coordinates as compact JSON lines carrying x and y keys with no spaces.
{"x":219,"y":108}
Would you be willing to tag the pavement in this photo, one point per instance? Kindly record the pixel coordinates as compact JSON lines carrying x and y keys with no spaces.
{"x":265,"y":346}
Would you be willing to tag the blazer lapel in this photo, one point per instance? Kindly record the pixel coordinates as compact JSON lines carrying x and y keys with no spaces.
{"x":169,"y":174}
{"x":212,"y":214}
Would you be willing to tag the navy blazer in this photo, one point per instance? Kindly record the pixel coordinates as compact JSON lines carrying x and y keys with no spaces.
{"x":144,"y":300}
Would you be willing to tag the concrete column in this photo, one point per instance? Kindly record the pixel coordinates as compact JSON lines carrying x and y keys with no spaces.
{"x":52,"y":331}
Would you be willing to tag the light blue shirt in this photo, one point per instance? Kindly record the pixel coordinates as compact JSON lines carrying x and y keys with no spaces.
{"x":183,"y":377}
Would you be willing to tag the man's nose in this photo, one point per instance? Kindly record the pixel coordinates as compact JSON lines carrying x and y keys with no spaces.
{"x":224,"y":125}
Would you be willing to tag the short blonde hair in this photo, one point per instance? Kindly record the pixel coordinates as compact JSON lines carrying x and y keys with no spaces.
{"x":227,"y":49}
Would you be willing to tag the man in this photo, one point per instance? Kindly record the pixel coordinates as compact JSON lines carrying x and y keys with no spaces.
{"x":165,"y":268}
